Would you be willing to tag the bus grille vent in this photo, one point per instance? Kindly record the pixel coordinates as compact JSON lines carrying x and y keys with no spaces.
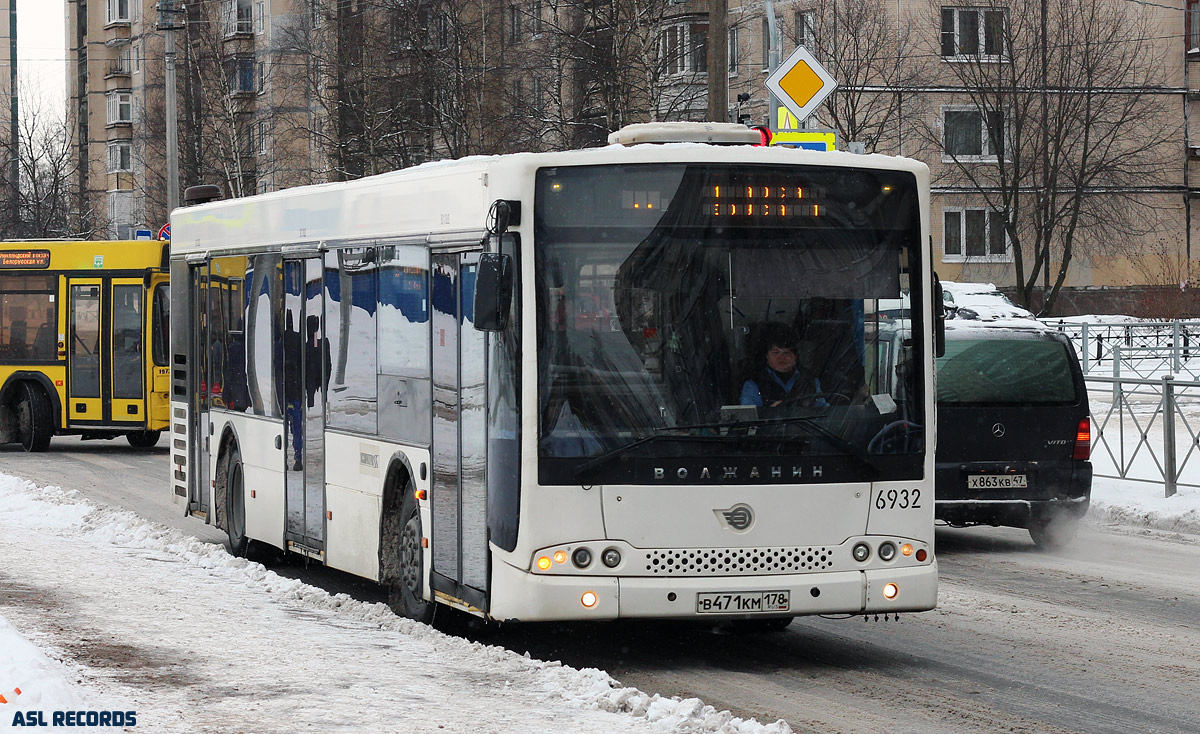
{"x":727,"y":561}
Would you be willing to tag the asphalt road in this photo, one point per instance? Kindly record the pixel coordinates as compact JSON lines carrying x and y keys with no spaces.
{"x":1101,"y":637}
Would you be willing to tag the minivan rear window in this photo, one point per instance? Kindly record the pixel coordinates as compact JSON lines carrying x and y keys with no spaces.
{"x":1005,"y":372}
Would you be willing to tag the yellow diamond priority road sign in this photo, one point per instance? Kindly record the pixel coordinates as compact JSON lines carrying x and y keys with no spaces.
{"x":801,"y":83}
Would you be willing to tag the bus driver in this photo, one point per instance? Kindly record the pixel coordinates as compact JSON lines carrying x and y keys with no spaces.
{"x":778,"y":381}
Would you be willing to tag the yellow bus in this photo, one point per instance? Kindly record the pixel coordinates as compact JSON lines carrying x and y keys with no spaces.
{"x":83,"y":341}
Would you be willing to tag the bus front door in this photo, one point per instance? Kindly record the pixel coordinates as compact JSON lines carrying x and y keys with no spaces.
{"x":304,"y":400}
{"x":198,"y":446}
{"x":106,"y":385}
{"x":459,"y":497}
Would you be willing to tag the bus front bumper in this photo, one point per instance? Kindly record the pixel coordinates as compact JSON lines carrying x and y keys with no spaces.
{"x":519,"y":596}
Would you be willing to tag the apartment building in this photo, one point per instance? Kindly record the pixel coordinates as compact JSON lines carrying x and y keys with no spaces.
{"x":912,"y":75}
{"x":227,"y":106}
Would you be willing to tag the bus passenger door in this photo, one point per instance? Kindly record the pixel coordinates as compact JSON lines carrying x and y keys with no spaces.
{"x":127,"y":372}
{"x":459,"y":498}
{"x":198,"y":442}
{"x":304,"y":401}
{"x":86,"y":316}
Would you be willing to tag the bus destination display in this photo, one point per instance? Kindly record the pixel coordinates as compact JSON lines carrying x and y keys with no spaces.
{"x":12,"y":259}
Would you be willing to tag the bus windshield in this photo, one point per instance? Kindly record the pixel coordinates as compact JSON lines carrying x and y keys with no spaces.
{"x":704,"y":319}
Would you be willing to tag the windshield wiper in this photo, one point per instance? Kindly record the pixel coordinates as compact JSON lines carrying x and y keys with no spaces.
{"x":605,"y":458}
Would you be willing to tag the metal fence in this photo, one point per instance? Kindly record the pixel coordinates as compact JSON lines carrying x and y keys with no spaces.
{"x":1144,"y":430}
{"x":1142,"y":349}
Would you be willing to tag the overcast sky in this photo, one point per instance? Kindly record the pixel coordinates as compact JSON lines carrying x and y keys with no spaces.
{"x":42,"y":50}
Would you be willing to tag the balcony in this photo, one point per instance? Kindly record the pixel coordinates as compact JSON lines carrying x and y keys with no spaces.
{"x":240,"y":25}
{"x":117,"y":68}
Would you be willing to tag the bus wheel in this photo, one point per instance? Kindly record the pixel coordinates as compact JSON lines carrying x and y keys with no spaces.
{"x":143,"y":439}
{"x":235,"y":504}
{"x":404,"y":591}
{"x":35,"y":418}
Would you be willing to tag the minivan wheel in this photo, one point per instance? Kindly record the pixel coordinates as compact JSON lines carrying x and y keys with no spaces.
{"x":1054,"y":530}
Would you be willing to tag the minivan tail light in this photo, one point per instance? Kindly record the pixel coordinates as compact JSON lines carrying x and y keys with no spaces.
{"x":1083,"y":440}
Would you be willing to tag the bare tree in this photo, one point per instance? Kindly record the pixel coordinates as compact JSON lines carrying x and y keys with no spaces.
{"x":607,"y":63}
{"x":1058,"y":97}
{"x":872,"y":54}
{"x":48,"y":170}
{"x":221,"y":122}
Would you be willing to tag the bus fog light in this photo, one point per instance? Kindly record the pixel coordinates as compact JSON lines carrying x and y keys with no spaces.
{"x":589,"y":599}
{"x":582,"y":558}
{"x":861,"y":552}
{"x":611,"y":557}
{"x":906,"y":549}
{"x":890,"y":591}
{"x":887,"y":551}
{"x":543,"y":563}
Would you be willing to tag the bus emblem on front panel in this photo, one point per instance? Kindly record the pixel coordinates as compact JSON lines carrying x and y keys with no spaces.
{"x":738,"y":518}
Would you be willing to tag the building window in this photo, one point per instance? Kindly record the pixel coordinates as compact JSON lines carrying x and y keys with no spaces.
{"x":683,"y":48}
{"x":514,"y":23}
{"x":260,"y":17}
{"x":733,"y":50}
{"x":241,"y":75}
{"x":120,"y":157}
{"x":766,"y":45}
{"x":262,"y":137}
{"x":973,"y":33}
{"x":535,"y":17}
{"x":116,"y":11}
{"x":120,"y":106}
{"x":262,"y":77}
{"x":967,"y":137}
{"x":136,"y":57}
{"x":1192,"y":26}
{"x":974,"y":234}
{"x":239,"y":17}
{"x":122,"y":64}
{"x":806,"y":29}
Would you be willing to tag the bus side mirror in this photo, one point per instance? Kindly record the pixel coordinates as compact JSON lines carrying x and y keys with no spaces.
{"x":939,"y":319}
{"x":493,"y":291}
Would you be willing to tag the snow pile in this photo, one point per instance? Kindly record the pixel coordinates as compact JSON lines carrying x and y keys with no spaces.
{"x":393,"y":674}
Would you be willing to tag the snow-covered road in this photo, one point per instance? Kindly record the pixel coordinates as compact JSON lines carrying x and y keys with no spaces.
{"x":107,"y":612}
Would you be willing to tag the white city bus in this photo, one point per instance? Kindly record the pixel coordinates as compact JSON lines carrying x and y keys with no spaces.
{"x":517,"y":385}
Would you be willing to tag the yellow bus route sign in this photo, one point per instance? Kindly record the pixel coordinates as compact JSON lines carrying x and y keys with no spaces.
{"x":801,"y":83}
{"x":24,"y":259}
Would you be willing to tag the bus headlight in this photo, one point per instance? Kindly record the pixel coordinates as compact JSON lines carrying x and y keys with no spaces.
{"x":887,"y":551}
{"x":861,"y":552}
{"x":611,"y":557}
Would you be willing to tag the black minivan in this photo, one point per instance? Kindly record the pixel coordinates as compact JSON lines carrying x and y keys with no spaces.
{"x":1013,"y":430}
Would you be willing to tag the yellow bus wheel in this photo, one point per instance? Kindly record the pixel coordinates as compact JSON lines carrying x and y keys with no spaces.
{"x":35,"y":418}
{"x":143,"y":439}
